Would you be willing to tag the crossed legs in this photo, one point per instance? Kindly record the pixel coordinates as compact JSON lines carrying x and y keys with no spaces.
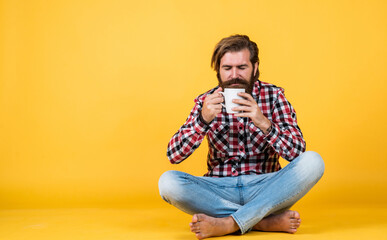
{"x":225,"y":205}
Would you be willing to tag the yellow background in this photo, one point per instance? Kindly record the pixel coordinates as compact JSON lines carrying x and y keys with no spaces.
{"x":92,"y":91}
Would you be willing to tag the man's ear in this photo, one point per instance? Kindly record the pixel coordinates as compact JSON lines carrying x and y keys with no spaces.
{"x":255,"y":69}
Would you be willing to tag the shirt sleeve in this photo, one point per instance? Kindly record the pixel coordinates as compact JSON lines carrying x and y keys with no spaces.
{"x":285,"y":135}
{"x":188,"y":138}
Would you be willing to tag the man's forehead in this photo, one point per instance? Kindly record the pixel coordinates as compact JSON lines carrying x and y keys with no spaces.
{"x":236,"y":57}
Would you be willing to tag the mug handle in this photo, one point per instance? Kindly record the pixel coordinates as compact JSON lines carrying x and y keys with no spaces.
{"x":223,"y":97}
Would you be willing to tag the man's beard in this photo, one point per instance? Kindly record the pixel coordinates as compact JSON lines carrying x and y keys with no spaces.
{"x":248,"y":85}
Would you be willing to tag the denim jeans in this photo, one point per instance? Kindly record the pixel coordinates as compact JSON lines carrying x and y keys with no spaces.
{"x":246,"y":198}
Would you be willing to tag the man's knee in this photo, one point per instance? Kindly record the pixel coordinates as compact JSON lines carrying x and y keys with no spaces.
{"x":169,"y":184}
{"x":312,"y":163}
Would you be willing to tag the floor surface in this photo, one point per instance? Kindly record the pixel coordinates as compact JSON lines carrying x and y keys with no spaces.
{"x":162,"y":221}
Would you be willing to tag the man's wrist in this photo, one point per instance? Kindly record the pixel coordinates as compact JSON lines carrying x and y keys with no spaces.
{"x":202,"y":119}
{"x":266,"y":127}
{"x":269,"y":129}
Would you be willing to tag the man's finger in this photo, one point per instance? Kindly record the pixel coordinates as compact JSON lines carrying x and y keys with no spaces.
{"x":242,"y":108}
{"x":218,"y":90}
{"x":218,"y":107}
{"x":214,"y":107}
{"x":242,"y":102}
{"x":217,"y":100}
{"x":243,"y":114}
{"x":246,"y":95}
{"x":215,"y":94}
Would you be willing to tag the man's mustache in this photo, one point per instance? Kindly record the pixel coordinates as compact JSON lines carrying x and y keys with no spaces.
{"x":235,"y":81}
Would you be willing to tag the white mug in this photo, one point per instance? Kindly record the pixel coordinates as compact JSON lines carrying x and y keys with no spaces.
{"x":229,"y":94}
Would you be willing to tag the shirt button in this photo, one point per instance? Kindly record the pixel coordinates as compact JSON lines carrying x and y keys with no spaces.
{"x":240,"y":127}
{"x":241,"y":149}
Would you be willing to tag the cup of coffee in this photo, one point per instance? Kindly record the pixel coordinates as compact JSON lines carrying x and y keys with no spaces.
{"x":229,"y":94}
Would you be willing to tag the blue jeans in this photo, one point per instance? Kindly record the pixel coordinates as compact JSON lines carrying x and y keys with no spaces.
{"x":247,"y":198}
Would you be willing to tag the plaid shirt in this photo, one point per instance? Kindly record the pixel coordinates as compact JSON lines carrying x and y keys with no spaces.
{"x":236,"y":145}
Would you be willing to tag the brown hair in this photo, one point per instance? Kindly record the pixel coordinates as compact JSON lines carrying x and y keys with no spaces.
{"x":234,"y":43}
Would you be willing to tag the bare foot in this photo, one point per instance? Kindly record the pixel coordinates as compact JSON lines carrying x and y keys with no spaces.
{"x":205,"y":226}
{"x":287,"y":221}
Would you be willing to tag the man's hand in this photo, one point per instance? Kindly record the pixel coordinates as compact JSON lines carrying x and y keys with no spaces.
{"x":249,"y":108}
{"x":212,"y":106}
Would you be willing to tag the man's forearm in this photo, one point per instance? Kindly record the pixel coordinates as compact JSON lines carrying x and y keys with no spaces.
{"x":265,"y":126}
{"x":187,"y":139}
{"x":288,"y":142}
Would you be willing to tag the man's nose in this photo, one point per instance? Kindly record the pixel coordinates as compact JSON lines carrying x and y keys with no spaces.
{"x":234,"y":73}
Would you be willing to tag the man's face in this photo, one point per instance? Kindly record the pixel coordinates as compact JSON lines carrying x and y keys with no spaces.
{"x":236,"y":71}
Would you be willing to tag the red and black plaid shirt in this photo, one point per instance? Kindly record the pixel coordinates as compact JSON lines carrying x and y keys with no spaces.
{"x":236,"y":145}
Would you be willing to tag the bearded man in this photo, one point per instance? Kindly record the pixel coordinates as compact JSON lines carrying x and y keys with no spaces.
{"x":245,"y":188}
